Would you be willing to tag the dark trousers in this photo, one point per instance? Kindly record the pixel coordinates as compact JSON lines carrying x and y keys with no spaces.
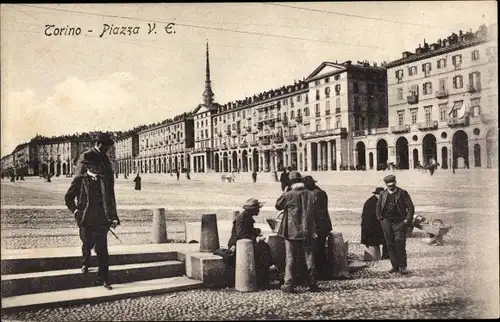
{"x":320,"y":257}
{"x":294,"y":250}
{"x":395,"y":237}
{"x":97,"y":238}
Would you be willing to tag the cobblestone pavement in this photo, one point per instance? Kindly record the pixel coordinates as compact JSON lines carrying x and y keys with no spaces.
{"x":457,"y":280}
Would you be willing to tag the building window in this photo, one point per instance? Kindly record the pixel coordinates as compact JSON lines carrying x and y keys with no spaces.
{"x":475,"y":55}
{"x":337,"y":122}
{"x":299,"y":98}
{"x":285,"y":101}
{"x":414,"y":90}
{"x":428,"y":113}
{"x":337,"y":77}
{"x":400,"y":93}
{"x":412,"y":70}
{"x":317,"y":94}
{"x":206,"y":133}
{"x":337,"y":103}
{"x":457,"y":108}
{"x":317,"y":108}
{"x":475,"y":80}
{"x":399,"y":74}
{"x":475,"y":107}
{"x":457,"y":61}
{"x":458,"y":82}
{"x":328,"y":123}
{"x":327,"y":80}
{"x":443,"y":112}
{"x":414,"y":114}
{"x":442,"y":84}
{"x":292,"y":115}
{"x":318,"y":127}
{"x":426,"y":68}
{"x":441,"y":63}
{"x":327,"y":106}
{"x":327,"y":92}
{"x":337,"y":89}
{"x":427,"y":88}
{"x":401,"y":118}
{"x":306,"y":111}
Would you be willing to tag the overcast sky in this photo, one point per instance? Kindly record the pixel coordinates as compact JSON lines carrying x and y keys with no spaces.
{"x":53,"y":85}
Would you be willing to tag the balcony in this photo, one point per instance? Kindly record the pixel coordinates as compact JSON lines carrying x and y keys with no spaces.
{"x":306,"y":121}
{"x":291,"y":138}
{"x":265,"y":141}
{"x":278,"y":139}
{"x":223,"y":146}
{"x":318,"y":114}
{"x":474,"y":88}
{"x":243,"y":145}
{"x":479,"y":119}
{"x":233,"y":145}
{"x":429,"y":125}
{"x":284,"y":121}
{"x":400,"y":129}
{"x":442,"y":94}
{"x":228,"y":132}
{"x":248,"y":128}
{"x":254,"y":143}
{"x":412,"y":99}
{"x":327,"y":112}
{"x":456,"y":122}
{"x":234,"y":134}
{"x":329,"y":132}
{"x":360,"y":133}
{"x":219,"y":134}
{"x":337,"y":110}
{"x":238,"y":130}
{"x":299,"y":119}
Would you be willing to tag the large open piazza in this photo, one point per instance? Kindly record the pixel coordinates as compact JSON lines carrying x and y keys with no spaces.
{"x":456,"y":280}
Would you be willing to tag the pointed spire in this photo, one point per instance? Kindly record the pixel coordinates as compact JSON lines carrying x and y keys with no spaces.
{"x":208,"y":95}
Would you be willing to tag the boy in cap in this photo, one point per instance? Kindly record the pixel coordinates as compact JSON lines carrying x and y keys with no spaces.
{"x":298,"y":229}
{"x":395,"y":212}
{"x":94,"y":213}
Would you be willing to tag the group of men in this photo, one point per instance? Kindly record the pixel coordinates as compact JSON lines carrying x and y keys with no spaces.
{"x":304,"y":226}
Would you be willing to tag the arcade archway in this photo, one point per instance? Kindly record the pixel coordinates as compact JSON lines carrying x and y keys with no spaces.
{"x":244,"y":156}
{"x":402,"y":153}
{"x":255,"y":159}
{"x":216,"y":161}
{"x":444,"y":157}
{"x":234,"y":158}
{"x":370,"y":160}
{"x":429,"y":149}
{"x":361,"y":148}
{"x":382,"y":154}
{"x":225,"y":163}
{"x":477,"y":156}
{"x":293,"y":151}
{"x":416,"y":161}
{"x":460,"y":149}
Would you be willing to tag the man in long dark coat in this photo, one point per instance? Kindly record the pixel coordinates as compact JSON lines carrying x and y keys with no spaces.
{"x":371,"y":229}
{"x":323,"y":226}
{"x":137,"y":181}
{"x":94,"y":214}
{"x":284,"y":179}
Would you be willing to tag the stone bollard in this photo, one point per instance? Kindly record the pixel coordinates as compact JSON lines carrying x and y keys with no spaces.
{"x":234,"y":214}
{"x":278,"y":252}
{"x":159,"y":233}
{"x":372,"y":253}
{"x":209,"y":238}
{"x":337,"y":255}
{"x":245,"y":275}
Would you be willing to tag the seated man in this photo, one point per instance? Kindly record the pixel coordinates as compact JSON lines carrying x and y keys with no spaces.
{"x":243,"y":227}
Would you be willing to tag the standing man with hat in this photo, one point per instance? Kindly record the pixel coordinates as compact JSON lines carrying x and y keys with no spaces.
{"x":323,"y":226}
{"x":298,"y":229}
{"x":94,"y":213}
{"x":371,"y":229}
{"x":395,"y":212}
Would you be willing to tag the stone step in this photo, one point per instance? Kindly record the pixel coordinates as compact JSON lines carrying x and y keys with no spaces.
{"x":59,"y":260}
{"x":57,"y":280}
{"x":96,"y":294}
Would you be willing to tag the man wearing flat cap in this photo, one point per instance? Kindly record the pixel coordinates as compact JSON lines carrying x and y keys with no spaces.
{"x":323,"y":226}
{"x":371,"y":229}
{"x":298,"y":229}
{"x":94,"y":214}
{"x":395,"y":212}
{"x":243,"y":227}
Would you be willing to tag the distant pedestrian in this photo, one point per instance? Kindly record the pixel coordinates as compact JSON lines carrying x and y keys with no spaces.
{"x":254,"y":177}
{"x":12,"y":178}
{"x":371,"y":229}
{"x":284,"y":180}
{"x":177,"y":173}
{"x":395,"y":211}
{"x":323,"y":226}
{"x":137,"y":181}
{"x":298,"y":229}
{"x":116,"y":175}
{"x":95,"y":212}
